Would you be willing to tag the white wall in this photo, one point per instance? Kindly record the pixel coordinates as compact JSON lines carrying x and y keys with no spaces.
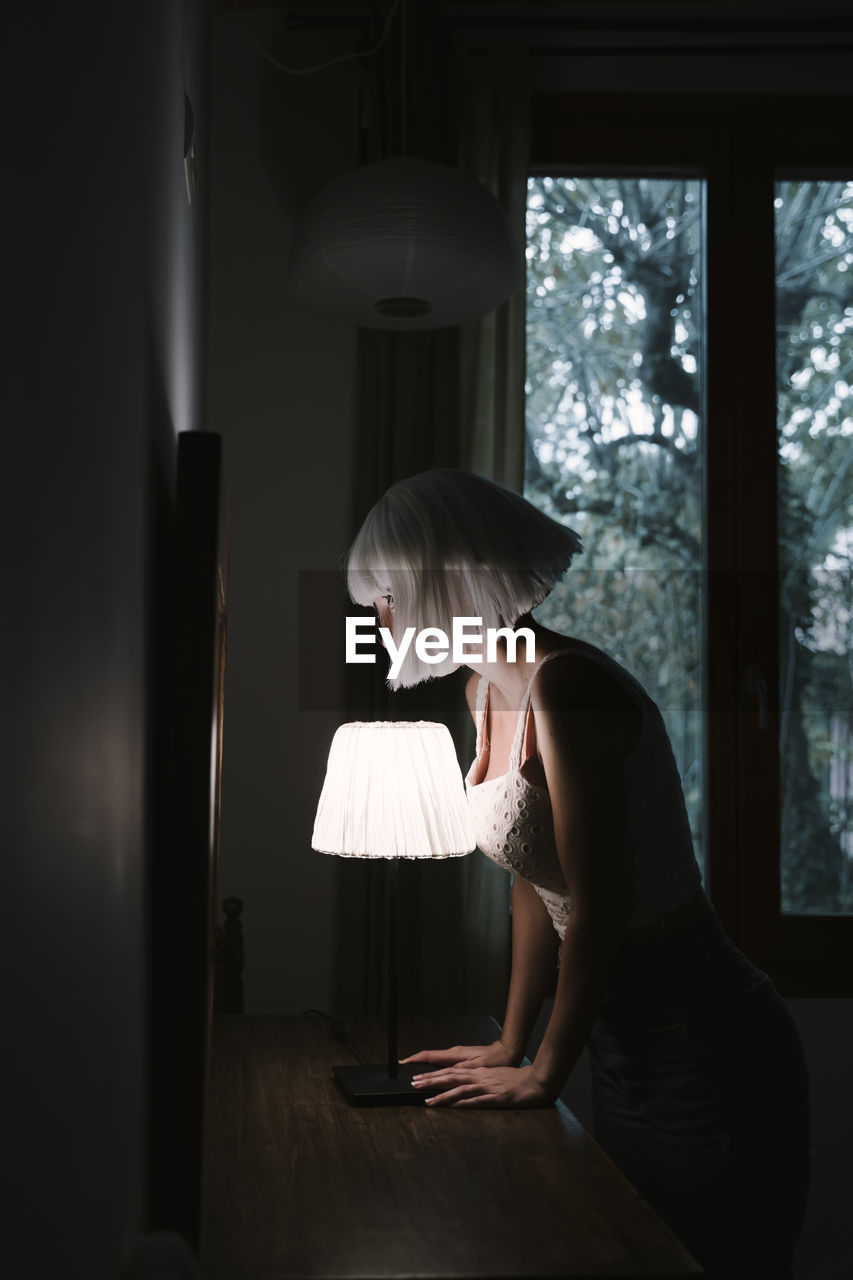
{"x":101,"y":367}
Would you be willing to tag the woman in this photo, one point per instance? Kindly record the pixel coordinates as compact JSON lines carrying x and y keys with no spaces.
{"x":699,"y":1081}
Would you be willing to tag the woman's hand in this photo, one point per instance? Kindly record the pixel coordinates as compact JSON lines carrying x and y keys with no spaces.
{"x":467,"y":1086}
{"x":497,"y":1054}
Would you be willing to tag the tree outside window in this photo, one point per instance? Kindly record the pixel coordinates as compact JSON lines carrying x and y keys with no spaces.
{"x":615,"y":447}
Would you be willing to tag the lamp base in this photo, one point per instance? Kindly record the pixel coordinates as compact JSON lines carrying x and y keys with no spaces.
{"x":371,"y":1086}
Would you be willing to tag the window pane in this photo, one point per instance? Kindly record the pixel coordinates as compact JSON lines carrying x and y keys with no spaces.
{"x":614,"y":398}
{"x":814,"y":363}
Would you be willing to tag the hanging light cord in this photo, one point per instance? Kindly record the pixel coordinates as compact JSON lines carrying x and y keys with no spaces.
{"x":331,"y":62}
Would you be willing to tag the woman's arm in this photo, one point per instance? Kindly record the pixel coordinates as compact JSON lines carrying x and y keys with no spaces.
{"x":534,"y":964}
{"x":585,"y":726}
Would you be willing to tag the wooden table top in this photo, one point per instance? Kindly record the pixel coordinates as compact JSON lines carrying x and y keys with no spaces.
{"x":300,"y":1183}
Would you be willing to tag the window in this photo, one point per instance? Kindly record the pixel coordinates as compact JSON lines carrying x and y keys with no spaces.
{"x":813,"y":230}
{"x":689,"y":410}
{"x":615,"y":364}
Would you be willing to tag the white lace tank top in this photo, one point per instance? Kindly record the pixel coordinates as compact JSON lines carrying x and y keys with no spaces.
{"x":514,"y":826}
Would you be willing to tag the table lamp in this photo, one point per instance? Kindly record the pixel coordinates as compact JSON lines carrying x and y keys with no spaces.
{"x":392,"y":790}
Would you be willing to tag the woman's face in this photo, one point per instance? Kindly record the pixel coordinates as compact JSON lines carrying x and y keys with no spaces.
{"x":384,"y":606}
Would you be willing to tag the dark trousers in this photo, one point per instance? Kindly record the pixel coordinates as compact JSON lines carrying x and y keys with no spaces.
{"x":700,"y":1096}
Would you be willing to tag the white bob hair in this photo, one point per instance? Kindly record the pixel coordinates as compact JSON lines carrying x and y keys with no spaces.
{"x":447,"y":543}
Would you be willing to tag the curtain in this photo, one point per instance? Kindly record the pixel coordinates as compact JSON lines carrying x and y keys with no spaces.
{"x":494,"y":146}
{"x":451,"y":397}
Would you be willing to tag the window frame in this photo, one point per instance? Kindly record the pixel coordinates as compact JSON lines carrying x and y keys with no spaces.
{"x":739,"y":144}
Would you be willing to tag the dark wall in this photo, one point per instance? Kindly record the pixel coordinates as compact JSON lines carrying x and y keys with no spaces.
{"x":282,"y":392}
{"x":102,"y":341}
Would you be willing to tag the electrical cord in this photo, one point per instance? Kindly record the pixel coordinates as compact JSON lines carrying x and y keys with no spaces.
{"x":338,"y":1030}
{"x":331,"y":62}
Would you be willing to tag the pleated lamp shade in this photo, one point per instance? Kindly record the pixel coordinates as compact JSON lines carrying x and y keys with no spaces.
{"x":393,"y":790}
{"x":405,"y":244}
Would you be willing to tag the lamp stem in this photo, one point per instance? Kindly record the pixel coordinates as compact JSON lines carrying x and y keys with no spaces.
{"x":391,"y":907}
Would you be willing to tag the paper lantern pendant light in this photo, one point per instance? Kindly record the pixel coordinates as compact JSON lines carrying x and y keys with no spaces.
{"x":405,"y":244}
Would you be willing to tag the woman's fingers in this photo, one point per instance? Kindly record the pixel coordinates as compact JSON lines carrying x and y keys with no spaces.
{"x":484,"y":1087}
{"x":438,"y":1056}
{"x":456,"y":1096}
{"x":453,"y":1076}
{"x":444,"y":1075}
{"x":457,"y":1053}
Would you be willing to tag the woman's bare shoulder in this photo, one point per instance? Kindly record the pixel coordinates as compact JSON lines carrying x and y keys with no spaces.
{"x":577,"y":693}
{"x":577,"y":678}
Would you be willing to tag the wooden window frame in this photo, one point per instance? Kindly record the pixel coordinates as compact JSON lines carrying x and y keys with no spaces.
{"x":738,"y":144}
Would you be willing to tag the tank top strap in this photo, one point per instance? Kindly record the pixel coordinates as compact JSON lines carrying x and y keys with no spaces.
{"x":480,"y":714}
{"x":521,"y":727}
